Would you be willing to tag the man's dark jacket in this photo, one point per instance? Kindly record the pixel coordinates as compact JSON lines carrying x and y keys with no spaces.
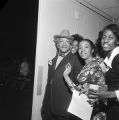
{"x":57,"y":94}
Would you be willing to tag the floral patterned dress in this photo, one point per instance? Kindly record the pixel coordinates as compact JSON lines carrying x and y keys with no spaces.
{"x":92,"y":73}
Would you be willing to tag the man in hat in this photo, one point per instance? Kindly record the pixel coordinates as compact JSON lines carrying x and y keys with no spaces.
{"x":57,"y":94}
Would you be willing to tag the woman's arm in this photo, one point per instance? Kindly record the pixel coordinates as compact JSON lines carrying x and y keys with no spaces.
{"x":101,"y":93}
{"x":67,"y":78}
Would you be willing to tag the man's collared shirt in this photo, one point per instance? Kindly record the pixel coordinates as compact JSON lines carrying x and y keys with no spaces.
{"x":59,"y":59}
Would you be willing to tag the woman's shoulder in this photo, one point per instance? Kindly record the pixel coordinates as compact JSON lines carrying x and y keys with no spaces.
{"x":116,"y":59}
{"x":97,"y":60}
{"x":115,"y":63}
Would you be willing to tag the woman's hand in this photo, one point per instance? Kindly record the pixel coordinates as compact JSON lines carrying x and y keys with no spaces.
{"x":67,"y":70}
{"x":66,"y":76}
{"x":94,"y":94}
{"x":101,"y":93}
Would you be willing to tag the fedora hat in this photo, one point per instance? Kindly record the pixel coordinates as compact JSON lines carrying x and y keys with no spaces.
{"x":63,"y":34}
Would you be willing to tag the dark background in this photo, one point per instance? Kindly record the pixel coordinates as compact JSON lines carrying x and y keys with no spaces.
{"x":18,"y":32}
{"x":18,"y":26}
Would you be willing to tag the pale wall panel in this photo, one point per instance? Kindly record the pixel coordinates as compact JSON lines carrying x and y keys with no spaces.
{"x":55,"y":15}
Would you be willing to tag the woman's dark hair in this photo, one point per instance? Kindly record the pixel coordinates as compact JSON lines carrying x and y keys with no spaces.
{"x":77,"y":37}
{"x":99,"y":49}
{"x":93,"y":47}
{"x":114,"y":28}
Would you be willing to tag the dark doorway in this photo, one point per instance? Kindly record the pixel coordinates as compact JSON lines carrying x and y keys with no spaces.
{"x":18,"y":33}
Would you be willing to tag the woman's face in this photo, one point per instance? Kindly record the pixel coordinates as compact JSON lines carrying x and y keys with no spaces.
{"x":109,"y":41}
{"x":74,"y":46}
{"x":85,"y":51}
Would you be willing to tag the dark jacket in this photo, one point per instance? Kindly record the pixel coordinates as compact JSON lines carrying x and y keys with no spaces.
{"x":57,"y":95}
{"x":112,"y":79}
{"x":112,"y":75}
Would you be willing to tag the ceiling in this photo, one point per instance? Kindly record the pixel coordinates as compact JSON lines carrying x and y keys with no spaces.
{"x":110,"y":7}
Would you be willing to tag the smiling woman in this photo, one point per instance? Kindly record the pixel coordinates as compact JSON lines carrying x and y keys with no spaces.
{"x":109,"y":43}
{"x":91,"y":73}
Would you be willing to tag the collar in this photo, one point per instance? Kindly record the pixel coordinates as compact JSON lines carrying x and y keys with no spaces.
{"x":63,"y":54}
{"x":109,"y":60}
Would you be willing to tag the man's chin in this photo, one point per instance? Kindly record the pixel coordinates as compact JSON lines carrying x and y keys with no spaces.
{"x":64,"y":51}
{"x":73,"y":51}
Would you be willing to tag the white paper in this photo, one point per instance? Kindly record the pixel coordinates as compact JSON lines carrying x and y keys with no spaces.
{"x":79,"y":106}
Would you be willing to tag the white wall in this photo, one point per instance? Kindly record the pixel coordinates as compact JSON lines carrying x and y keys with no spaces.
{"x":55,"y":15}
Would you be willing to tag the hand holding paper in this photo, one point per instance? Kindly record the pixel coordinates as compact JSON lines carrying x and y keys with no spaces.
{"x":79,"y":106}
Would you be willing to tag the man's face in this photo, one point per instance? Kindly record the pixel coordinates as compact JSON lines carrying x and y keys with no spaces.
{"x":64,"y":45}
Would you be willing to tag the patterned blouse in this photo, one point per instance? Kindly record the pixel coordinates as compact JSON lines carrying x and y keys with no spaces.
{"x":92,"y":73}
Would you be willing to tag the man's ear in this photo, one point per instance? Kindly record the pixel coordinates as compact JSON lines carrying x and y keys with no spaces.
{"x":57,"y":44}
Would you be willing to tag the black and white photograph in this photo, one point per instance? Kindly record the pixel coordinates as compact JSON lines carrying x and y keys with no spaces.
{"x":59,"y":59}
